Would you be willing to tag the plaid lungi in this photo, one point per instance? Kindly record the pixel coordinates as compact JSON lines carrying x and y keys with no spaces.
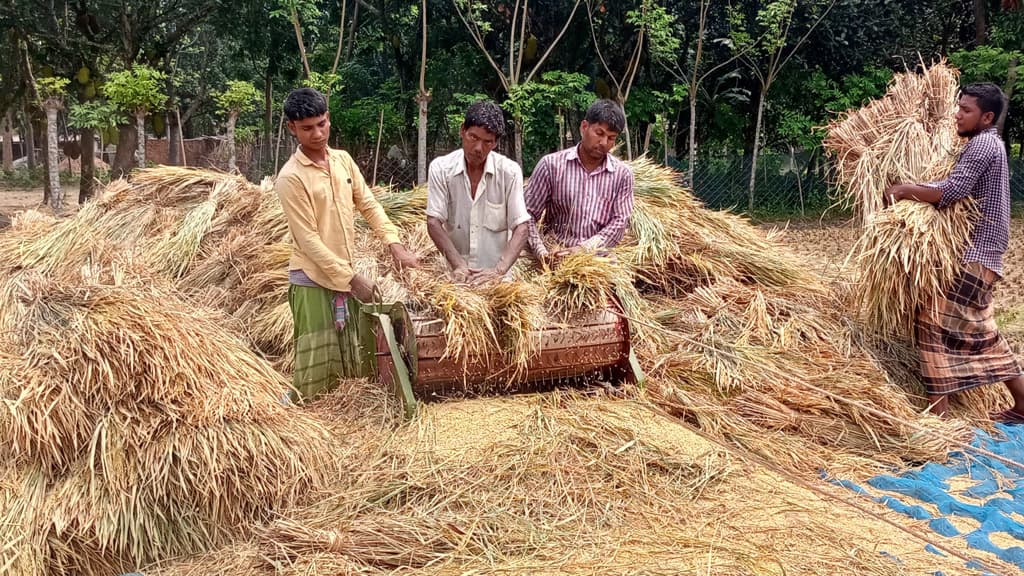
{"x":318,"y":364}
{"x":957,"y":338}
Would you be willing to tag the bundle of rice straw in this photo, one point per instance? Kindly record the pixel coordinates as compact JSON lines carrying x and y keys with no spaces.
{"x":910,"y":252}
{"x":583,"y":281}
{"x":519,"y":316}
{"x":675,"y":244}
{"x":152,"y":431}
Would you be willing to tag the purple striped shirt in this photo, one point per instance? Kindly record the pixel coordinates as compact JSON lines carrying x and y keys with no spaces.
{"x":982,"y":173}
{"x":579,"y":208}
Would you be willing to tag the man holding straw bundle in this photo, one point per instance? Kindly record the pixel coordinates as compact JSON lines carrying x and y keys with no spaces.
{"x":320,"y":188}
{"x":957,"y":337}
{"x":583,"y":193}
{"x":476,"y":214}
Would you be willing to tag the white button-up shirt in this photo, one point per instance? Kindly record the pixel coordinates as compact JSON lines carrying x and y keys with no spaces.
{"x":479,"y":225}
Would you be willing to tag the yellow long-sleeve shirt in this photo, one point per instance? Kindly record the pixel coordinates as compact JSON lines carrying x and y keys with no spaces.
{"x":320,"y":207}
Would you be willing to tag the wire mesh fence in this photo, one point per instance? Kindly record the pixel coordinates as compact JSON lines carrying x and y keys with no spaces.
{"x":785,"y":185}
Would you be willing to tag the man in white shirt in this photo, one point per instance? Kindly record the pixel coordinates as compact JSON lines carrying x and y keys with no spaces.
{"x":476,"y":213}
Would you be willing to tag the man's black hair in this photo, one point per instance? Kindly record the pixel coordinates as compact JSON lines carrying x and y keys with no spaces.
{"x":304,"y":103}
{"x":608,"y":113}
{"x":487,"y":115}
{"x":989,"y":96}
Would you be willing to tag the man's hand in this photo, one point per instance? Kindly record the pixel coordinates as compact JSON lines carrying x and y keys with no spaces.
{"x":893,"y":195}
{"x":403,"y":257}
{"x":485,"y":276}
{"x":567,"y":251}
{"x":362,"y":288}
{"x":462,"y":274}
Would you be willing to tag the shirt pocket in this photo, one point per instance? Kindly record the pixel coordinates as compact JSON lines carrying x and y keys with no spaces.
{"x":495,"y":217}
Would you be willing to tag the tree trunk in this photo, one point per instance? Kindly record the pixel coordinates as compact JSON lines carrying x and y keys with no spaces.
{"x":519,"y":140}
{"x":140,"y":135}
{"x":87,"y":182}
{"x":53,"y":159}
{"x":757,"y":149}
{"x":30,"y":141}
{"x":232,"y":117}
{"x":298,"y":38}
{"x":173,"y":141}
{"x":691,"y":169}
{"x":1011,"y":79}
{"x":8,"y":149}
{"x":124,"y":158}
{"x":980,"y":25}
{"x":423,"y":98}
{"x":625,"y":129}
{"x":268,"y":121}
{"x":46,"y":182}
{"x":353,"y":26}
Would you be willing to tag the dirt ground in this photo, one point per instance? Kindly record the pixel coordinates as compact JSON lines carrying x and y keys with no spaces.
{"x":18,"y":200}
{"x":825,"y":246}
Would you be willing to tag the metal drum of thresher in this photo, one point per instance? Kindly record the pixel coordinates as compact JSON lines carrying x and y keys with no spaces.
{"x":592,"y":345}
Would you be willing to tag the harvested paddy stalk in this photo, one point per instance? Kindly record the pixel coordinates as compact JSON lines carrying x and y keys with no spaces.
{"x":158,"y":433}
{"x":909,"y":253}
{"x":468,"y":325}
{"x":582,"y":282}
{"x":518,"y":309}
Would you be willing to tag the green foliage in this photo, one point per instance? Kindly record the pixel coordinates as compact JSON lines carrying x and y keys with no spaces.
{"x":663,"y":37}
{"x":359,"y":120}
{"x":95,"y":115}
{"x":246,"y":134}
{"x":51,"y":88}
{"x":290,"y":9}
{"x":237,"y":98}
{"x":816,"y":98}
{"x":475,"y":10}
{"x":541,"y":108}
{"x":325,"y":82}
{"x":137,"y":90}
{"x":990,"y":64}
{"x":23,"y":178}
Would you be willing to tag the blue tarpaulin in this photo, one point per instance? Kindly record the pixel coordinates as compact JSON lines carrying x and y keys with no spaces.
{"x":994,"y":498}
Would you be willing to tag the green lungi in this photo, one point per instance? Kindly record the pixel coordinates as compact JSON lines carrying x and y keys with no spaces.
{"x":318,"y":364}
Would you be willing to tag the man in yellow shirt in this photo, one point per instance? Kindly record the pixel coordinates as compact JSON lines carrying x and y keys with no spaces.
{"x":320,"y":188}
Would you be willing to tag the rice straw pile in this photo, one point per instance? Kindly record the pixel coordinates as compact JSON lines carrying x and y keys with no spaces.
{"x":910,"y":252}
{"x":135,"y":376}
{"x":138,"y":429}
{"x":553,"y":484}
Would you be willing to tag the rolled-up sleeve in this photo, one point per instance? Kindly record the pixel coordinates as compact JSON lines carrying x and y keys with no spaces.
{"x":366,"y":203}
{"x":974,"y":161}
{"x":437,"y":192}
{"x":298,"y":210}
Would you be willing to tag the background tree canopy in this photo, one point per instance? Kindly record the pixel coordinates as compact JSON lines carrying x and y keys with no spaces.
{"x":676,"y":65}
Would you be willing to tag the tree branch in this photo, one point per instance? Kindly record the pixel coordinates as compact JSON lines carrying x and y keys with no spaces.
{"x":597,"y":47}
{"x":341,"y":37}
{"x":811,"y":29}
{"x":480,"y":44}
{"x":513,"y":72}
{"x":558,"y":38}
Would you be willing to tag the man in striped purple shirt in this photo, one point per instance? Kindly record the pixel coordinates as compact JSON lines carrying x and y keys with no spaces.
{"x":583,"y":194}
